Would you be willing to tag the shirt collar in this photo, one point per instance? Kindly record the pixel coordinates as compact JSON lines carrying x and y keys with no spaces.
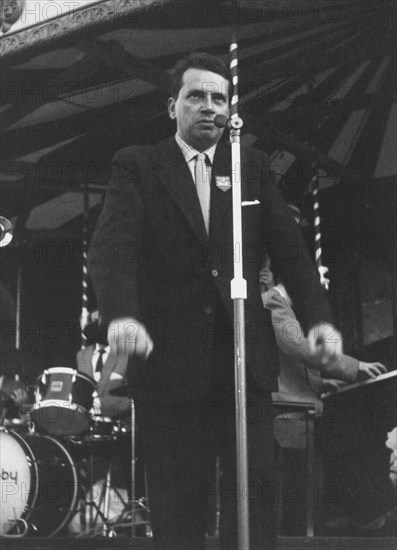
{"x":189,"y":152}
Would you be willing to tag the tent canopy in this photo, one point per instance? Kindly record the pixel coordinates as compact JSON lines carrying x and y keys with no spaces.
{"x":317,"y":88}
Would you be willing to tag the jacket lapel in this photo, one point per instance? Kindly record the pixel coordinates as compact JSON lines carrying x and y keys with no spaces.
{"x":85,"y":361}
{"x":175,"y":175}
{"x":106,"y":372}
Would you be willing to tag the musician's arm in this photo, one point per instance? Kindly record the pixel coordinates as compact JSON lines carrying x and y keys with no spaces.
{"x":370,"y":370}
{"x":345,"y":369}
{"x":292,"y":342}
{"x":351,"y":370}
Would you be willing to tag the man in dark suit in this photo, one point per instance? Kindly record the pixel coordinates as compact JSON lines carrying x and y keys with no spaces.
{"x":161,"y":261}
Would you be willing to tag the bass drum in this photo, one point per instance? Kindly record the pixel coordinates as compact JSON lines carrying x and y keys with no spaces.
{"x":39,"y":485}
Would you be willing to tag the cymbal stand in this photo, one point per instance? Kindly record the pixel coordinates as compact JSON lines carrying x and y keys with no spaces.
{"x":91,"y":508}
{"x":137,"y":511}
{"x":104,"y":498}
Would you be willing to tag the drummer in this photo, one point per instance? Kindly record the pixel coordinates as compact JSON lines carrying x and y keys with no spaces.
{"x":13,"y":393}
{"x":108,"y":444}
{"x":108,"y":371}
{"x":111,"y":422}
{"x":13,"y":363}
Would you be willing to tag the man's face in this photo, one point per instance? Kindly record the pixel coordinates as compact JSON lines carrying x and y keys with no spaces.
{"x":203,"y":95}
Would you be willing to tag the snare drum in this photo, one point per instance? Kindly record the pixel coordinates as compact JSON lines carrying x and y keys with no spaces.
{"x":38,"y":485}
{"x":64,"y":398}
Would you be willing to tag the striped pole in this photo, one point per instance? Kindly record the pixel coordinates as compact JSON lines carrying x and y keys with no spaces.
{"x":317,"y":232}
{"x":235,"y":121}
{"x":85,"y":316}
{"x":234,"y":74}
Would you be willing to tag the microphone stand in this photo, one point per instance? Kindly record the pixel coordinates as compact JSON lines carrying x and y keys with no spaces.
{"x":238,"y":289}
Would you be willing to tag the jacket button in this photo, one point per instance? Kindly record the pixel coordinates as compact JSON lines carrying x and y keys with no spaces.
{"x":208,"y":310}
{"x":214,"y":273}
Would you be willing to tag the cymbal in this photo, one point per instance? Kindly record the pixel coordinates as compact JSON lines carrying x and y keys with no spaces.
{"x":121,"y":391}
{"x":6,"y":231}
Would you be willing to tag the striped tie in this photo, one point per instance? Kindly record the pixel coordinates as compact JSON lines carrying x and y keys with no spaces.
{"x":203,"y":188}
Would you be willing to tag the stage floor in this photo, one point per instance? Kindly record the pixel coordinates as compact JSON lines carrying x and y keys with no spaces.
{"x":127,"y":543}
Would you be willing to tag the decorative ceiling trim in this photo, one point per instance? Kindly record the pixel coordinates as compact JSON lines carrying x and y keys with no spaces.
{"x":108,"y":12}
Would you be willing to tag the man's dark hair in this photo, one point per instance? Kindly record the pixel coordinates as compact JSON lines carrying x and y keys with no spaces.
{"x":203,"y":61}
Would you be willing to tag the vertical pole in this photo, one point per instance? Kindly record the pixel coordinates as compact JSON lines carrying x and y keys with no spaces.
{"x":18,"y":309}
{"x":133,"y":469}
{"x":239,"y":294}
{"x":317,"y":231}
{"x":84,"y":317}
{"x":18,"y":319}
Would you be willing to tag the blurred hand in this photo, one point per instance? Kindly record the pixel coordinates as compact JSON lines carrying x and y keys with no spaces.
{"x":370,"y":370}
{"x":128,"y":336}
{"x":19,"y":396}
{"x":14,"y":390}
{"x":325,"y":344}
{"x":266,"y":279}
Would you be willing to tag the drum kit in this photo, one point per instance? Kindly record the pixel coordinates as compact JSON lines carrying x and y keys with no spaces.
{"x":43,"y":483}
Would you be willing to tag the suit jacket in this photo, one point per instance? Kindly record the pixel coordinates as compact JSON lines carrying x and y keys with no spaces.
{"x":113,"y":406}
{"x":151,"y":258}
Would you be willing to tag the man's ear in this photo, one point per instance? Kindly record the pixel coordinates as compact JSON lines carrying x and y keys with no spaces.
{"x":171,"y":108}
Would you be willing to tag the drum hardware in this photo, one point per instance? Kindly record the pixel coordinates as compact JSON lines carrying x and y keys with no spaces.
{"x":19,"y":425}
{"x":134,"y":512}
{"x":96,"y":507}
{"x":14,"y":523}
{"x":104,"y":498}
{"x":102,"y":428}
{"x":137,"y":511}
{"x":62,"y":409}
{"x":4,"y":403}
{"x":105,"y":434}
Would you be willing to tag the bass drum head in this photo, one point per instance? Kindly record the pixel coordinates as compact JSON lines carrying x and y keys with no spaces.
{"x":18,"y":481}
{"x":60,"y":418}
{"x":57,"y":488}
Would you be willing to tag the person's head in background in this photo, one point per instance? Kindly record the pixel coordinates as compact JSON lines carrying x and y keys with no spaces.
{"x":93,"y":332}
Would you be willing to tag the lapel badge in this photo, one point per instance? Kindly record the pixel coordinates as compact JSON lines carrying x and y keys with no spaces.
{"x":223,"y":183}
